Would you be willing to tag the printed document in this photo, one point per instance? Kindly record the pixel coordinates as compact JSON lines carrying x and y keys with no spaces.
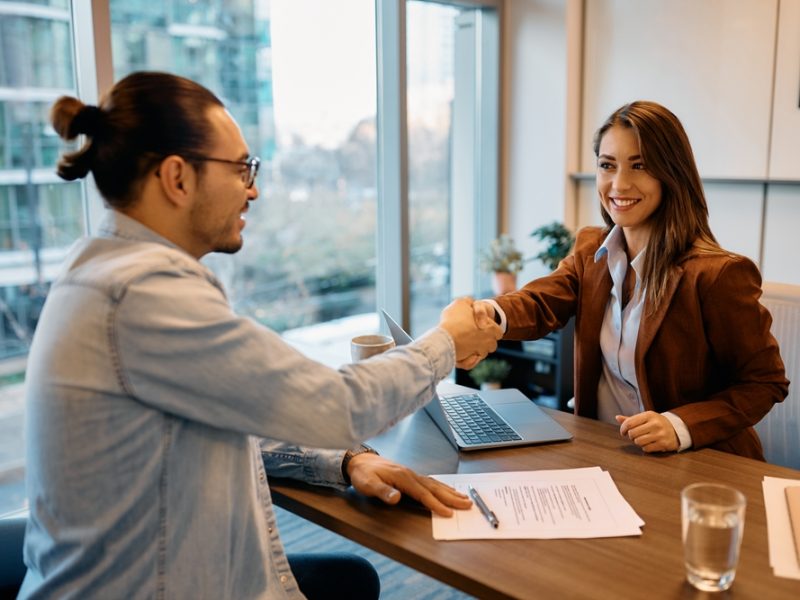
{"x":564,"y":503}
{"x":783,"y":556}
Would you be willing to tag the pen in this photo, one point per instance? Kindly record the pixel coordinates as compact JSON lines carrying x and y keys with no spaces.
{"x":490,"y":516}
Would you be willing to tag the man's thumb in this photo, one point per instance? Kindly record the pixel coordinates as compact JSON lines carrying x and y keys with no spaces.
{"x":391,"y":495}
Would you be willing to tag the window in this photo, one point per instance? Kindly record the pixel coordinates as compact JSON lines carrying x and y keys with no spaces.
{"x":309,"y":253}
{"x":40,"y":215}
{"x":302,"y":78}
{"x":452,"y":98}
{"x":430,"y":89}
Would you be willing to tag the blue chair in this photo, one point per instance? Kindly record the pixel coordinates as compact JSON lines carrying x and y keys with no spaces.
{"x":12,"y":568}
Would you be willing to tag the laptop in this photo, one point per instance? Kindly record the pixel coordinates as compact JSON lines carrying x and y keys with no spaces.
{"x":481,"y":419}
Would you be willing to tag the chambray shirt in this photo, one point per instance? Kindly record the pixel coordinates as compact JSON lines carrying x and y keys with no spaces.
{"x":147,"y":402}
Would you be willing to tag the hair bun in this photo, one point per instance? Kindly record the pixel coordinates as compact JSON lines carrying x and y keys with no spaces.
{"x":87,"y":121}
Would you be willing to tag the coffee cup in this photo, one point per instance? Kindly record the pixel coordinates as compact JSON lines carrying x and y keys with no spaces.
{"x":364,"y":346}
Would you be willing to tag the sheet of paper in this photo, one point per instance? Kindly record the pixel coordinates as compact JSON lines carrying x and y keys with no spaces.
{"x":782,"y":555}
{"x":793,"y":502}
{"x":565,"y":503}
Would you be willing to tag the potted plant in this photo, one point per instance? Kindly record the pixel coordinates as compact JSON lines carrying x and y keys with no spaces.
{"x":505,"y":261}
{"x":559,"y":242}
{"x":490,"y":373}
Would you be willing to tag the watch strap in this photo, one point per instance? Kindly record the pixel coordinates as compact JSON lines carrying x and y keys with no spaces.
{"x":348,"y":456}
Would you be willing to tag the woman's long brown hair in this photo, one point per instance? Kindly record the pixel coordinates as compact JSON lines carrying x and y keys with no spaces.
{"x":681,"y":220}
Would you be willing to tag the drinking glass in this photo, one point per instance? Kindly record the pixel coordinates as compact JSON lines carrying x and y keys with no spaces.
{"x":712,"y":519}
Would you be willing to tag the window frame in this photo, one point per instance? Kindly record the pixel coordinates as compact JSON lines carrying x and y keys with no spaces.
{"x":94,"y":74}
{"x":477,"y":212}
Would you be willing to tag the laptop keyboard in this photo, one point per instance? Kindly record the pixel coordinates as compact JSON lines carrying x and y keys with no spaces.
{"x":474,"y":421}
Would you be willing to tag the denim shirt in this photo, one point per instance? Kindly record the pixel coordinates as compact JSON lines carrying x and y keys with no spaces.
{"x":147,"y":402}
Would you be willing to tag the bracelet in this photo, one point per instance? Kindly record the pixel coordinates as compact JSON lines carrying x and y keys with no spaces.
{"x":348,"y":456}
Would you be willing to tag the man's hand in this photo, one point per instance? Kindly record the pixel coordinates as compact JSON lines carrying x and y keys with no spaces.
{"x":474,"y":339}
{"x":650,"y":431}
{"x":373,"y":475}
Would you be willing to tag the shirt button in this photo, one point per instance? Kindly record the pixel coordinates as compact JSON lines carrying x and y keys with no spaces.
{"x":283,"y":578}
{"x":262,"y":478}
{"x":269,"y":529}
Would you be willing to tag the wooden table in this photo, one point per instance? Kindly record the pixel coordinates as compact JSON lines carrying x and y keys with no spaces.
{"x":649,"y":566}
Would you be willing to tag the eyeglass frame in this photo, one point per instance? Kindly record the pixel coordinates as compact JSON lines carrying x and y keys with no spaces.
{"x":251,"y":163}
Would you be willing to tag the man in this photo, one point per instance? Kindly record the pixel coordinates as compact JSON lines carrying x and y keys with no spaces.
{"x":145,"y":392}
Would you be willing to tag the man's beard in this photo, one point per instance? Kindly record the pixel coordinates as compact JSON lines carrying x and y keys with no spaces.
{"x":231,"y":248}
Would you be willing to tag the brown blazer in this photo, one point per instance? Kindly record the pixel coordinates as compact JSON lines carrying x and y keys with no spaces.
{"x":707,"y":354}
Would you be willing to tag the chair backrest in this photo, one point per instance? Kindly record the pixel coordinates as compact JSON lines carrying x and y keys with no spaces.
{"x":12,"y":568}
{"x":780,"y":429}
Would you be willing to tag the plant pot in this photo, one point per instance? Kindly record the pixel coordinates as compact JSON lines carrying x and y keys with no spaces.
{"x":490,"y":385}
{"x":503,"y":283}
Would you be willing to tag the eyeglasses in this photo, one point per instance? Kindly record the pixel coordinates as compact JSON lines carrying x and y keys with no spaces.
{"x":248,"y":177}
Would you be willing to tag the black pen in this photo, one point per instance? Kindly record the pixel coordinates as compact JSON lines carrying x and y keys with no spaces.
{"x":490,"y":516}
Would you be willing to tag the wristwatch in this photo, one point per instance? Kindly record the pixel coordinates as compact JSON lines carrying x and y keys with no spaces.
{"x":348,"y":456}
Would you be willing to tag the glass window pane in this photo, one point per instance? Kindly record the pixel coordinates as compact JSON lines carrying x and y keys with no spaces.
{"x":452,"y":150}
{"x":299,"y":77}
{"x":40,"y":215}
{"x":431,"y":86}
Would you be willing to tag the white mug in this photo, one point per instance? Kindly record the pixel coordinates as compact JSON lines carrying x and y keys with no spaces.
{"x":364,"y":346}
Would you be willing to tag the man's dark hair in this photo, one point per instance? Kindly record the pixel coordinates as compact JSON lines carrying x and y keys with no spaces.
{"x":145,"y":117}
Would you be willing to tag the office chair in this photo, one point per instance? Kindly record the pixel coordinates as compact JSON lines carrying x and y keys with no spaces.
{"x":12,"y":568}
{"x":778,"y":430}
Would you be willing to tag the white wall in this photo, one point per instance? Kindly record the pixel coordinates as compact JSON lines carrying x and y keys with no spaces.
{"x":782,"y":204}
{"x":784,"y":158}
{"x":535,"y":121}
{"x":711,"y":61}
{"x":781,"y":242}
{"x":708,"y":61}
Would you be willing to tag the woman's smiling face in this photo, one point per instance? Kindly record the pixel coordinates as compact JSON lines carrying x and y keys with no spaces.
{"x":628,"y":193}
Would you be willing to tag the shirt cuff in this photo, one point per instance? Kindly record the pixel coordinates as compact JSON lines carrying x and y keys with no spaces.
{"x":440,"y":349}
{"x":503,"y":322}
{"x":312,"y":465}
{"x":684,"y":437}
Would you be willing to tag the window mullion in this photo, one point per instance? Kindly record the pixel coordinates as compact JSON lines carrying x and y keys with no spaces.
{"x":392,"y":273}
{"x":91,"y":24}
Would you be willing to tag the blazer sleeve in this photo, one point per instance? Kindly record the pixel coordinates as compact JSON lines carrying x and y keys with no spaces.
{"x":751,"y":375}
{"x":547,"y":303}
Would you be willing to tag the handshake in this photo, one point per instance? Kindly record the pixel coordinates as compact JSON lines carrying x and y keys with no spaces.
{"x":472,"y":327}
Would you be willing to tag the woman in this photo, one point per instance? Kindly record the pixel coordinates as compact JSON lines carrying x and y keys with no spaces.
{"x":671,"y":342}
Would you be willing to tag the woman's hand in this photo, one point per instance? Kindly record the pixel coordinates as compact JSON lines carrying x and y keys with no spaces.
{"x":649,"y":430}
{"x":373,"y":475}
{"x":473,"y":338}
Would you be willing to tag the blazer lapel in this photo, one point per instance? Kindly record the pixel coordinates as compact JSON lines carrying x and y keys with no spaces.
{"x":651,"y":322}
{"x":648,"y":327}
{"x":597,"y":284}
{"x":595,"y":290}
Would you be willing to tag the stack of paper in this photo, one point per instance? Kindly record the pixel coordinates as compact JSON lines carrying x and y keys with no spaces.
{"x":564,"y":503}
{"x":783,"y":554}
